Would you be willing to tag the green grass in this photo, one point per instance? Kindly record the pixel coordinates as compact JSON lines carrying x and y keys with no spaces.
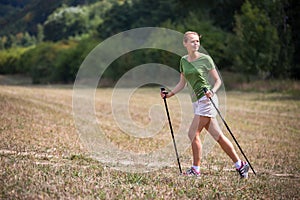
{"x":42,"y":157}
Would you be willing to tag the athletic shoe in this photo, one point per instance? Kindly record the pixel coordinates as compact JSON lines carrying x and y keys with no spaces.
{"x":191,"y":172}
{"x":243,"y":170}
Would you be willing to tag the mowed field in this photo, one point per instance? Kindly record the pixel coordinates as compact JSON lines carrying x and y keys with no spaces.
{"x":42,"y":156}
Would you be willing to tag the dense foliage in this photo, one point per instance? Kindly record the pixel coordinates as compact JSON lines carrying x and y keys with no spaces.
{"x":48,"y":41}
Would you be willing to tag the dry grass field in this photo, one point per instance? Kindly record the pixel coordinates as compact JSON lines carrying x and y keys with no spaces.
{"x":41,"y":155}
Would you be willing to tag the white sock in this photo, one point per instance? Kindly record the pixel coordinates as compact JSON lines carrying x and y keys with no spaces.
{"x":197,"y":168}
{"x":238,"y":164}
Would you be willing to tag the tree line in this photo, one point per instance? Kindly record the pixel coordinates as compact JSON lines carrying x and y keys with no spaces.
{"x":252,"y":37}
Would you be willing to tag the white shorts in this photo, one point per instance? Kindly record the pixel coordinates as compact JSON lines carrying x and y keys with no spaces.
{"x":204,"y":107}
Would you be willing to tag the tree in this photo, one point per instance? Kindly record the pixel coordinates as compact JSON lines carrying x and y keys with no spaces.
{"x":66,"y":22}
{"x":223,"y":12}
{"x":40,"y":34}
{"x":280,"y":13}
{"x":27,"y":40}
{"x":135,"y":13}
{"x":293,"y":14}
{"x":255,"y":49}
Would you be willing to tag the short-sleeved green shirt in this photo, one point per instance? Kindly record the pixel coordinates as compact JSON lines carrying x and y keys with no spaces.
{"x":196,"y":74}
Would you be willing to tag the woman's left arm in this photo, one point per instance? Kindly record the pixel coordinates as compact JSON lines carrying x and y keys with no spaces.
{"x":217,"y":84}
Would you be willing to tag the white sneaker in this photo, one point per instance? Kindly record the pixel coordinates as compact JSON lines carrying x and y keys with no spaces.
{"x":243,"y":170}
{"x":191,"y":172}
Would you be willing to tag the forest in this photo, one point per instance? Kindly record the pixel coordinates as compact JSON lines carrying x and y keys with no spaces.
{"x":48,"y":40}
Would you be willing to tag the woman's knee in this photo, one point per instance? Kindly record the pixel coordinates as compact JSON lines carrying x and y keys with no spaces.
{"x":224,"y":141}
{"x":196,"y":142}
{"x":214,"y":130}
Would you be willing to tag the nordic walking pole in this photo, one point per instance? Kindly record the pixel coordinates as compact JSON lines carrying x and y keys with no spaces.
{"x":205,"y":90}
{"x":170,"y":124}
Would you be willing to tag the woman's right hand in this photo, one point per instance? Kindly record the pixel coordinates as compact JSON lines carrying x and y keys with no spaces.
{"x":164,"y":94}
{"x":209,"y":93}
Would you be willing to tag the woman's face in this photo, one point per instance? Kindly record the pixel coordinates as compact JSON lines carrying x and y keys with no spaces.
{"x":193,"y":43}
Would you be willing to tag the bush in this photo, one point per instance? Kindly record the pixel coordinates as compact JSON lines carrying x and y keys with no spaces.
{"x":68,"y":61}
{"x":39,"y":61}
{"x":9,"y":60}
{"x":52,"y":62}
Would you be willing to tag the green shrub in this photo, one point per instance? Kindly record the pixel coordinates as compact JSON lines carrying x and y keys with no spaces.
{"x":52,"y":62}
{"x":40,"y":61}
{"x":9,"y":60}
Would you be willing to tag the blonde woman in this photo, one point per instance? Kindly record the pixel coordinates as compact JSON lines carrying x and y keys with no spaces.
{"x":195,"y":68}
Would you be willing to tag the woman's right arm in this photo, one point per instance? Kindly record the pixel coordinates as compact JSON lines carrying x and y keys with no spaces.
{"x":180,"y":85}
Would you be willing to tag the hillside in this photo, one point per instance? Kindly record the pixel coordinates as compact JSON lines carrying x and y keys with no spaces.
{"x":24,"y":15}
{"x":257,"y":38}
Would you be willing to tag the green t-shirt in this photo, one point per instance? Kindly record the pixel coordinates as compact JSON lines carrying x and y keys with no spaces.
{"x":196,"y":74}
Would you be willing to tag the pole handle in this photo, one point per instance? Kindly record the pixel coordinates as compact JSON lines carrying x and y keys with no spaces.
{"x":163,"y":90}
{"x":205,"y":90}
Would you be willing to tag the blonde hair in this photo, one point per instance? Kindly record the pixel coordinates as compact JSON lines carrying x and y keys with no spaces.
{"x":186,"y":34}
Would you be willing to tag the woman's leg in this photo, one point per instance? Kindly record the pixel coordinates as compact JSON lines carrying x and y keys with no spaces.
{"x":198,"y":123}
{"x":214,"y":129}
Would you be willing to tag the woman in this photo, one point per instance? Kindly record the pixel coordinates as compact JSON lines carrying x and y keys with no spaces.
{"x":194,"y":71}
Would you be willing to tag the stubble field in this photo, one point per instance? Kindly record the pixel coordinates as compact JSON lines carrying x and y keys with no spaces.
{"x":42,"y":157}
